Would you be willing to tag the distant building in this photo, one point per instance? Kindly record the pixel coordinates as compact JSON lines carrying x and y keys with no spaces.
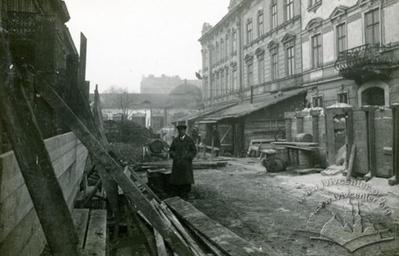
{"x":164,"y":84}
{"x":152,"y":110}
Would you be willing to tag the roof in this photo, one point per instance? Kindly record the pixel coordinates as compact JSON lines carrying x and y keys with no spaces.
{"x":204,"y":113}
{"x":246,"y":108}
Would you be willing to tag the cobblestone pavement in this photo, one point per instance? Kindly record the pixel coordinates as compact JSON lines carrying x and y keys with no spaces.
{"x":279,"y":210}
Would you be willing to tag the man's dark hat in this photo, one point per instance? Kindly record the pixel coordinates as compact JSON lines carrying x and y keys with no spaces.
{"x":181,"y":126}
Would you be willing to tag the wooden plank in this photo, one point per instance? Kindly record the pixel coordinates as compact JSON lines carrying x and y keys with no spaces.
{"x":225,"y":239}
{"x":395,"y":147}
{"x":34,"y":161}
{"x":351,"y":162}
{"x":196,"y":165}
{"x":98,"y":150}
{"x":96,"y":233}
{"x":161,"y":249}
{"x":169,"y":214}
{"x":225,"y":135}
{"x":215,"y":251}
{"x":80,"y":219}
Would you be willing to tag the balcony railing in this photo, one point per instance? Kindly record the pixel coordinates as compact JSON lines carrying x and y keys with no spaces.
{"x":22,"y":23}
{"x":365,"y":62}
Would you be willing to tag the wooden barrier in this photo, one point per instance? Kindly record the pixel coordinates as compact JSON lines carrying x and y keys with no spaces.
{"x":21,"y":233}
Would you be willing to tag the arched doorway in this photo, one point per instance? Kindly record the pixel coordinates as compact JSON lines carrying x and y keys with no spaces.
{"x":373,"y":93}
{"x":373,"y":96}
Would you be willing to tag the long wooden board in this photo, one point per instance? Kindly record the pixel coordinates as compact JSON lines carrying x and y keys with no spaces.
{"x":224,"y":238}
{"x":196,"y":165}
{"x":96,"y":232}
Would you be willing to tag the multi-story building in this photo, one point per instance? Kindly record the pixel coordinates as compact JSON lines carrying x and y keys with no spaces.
{"x":350,"y":68}
{"x":252,"y":58}
{"x":343,"y":54}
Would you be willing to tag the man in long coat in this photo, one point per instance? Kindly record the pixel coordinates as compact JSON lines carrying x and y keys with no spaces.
{"x":182,"y":151}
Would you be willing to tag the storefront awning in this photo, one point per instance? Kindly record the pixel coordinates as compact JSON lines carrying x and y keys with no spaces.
{"x":203,"y":114}
{"x":246,"y":108}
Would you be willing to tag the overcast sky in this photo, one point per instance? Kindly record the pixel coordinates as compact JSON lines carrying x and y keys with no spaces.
{"x":131,"y":38}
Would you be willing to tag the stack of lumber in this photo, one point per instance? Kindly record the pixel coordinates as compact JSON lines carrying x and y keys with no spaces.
{"x":216,"y":237}
{"x":196,"y":165}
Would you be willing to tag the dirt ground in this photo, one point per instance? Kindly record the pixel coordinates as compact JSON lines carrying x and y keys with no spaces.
{"x":274,"y":209}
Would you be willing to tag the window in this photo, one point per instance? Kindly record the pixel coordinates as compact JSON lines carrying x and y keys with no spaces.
{"x":217,"y":53}
{"x":234,"y":43}
{"x":250,"y":74}
{"x":221,"y":50}
{"x":274,"y":14}
{"x":274,"y":63}
{"x":343,"y":97}
{"x":227,"y":84}
{"x":261,"y":69}
{"x":261,"y":23}
{"x":290,"y":60}
{"x":341,"y":37}
{"x":372,"y":27}
{"x":317,"y":51}
{"x":317,"y":102}
{"x":222,"y":84}
{"x":226,"y":52}
{"x":289,"y":9}
{"x":249,"y":31}
{"x":234,"y":80}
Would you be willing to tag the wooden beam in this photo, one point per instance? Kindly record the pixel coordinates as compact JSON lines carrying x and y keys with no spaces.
{"x":100,"y":153}
{"x":223,"y":238}
{"x":82,"y":59}
{"x":34,"y":160}
{"x":92,"y":122}
{"x":395,"y":147}
{"x":225,"y":135}
{"x":351,"y":162}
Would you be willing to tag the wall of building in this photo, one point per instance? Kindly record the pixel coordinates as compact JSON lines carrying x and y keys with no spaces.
{"x":21,"y":233}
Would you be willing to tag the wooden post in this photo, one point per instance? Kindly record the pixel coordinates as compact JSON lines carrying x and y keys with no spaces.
{"x":395,"y":147}
{"x":93,"y":122}
{"x":288,"y":116}
{"x":1,"y":136}
{"x":98,"y":150}
{"x":299,"y":122}
{"x":371,"y":150}
{"x":315,"y":125}
{"x":82,"y":60}
{"x":34,"y":160}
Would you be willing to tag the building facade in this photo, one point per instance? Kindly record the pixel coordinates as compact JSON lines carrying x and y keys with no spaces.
{"x":250,"y":57}
{"x":343,"y":54}
{"x":350,"y":70}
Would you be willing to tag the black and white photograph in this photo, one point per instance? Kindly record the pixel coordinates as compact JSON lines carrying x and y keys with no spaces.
{"x":199,"y":127}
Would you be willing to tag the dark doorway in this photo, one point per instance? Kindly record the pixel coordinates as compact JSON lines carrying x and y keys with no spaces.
{"x":373,"y":96}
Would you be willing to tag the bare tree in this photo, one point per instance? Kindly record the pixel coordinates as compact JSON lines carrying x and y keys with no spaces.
{"x":121,"y":100}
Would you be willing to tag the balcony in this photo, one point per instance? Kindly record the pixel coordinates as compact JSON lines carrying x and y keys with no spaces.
{"x":22,"y":24}
{"x":364,"y":63}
